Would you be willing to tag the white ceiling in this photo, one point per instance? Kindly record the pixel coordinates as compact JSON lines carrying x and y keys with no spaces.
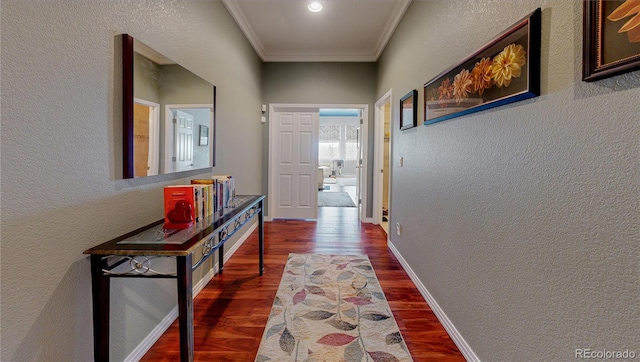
{"x":345,"y":30}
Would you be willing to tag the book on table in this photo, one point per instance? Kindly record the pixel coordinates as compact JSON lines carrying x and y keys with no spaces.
{"x":179,"y":206}
{"x":227,"y":189}
{"x":209,"y":189}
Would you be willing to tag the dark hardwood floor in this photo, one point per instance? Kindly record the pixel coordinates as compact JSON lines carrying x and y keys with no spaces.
{"x":231,"y":311}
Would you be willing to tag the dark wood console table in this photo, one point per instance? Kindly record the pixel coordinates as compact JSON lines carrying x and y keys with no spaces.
{"x":131,"y":256}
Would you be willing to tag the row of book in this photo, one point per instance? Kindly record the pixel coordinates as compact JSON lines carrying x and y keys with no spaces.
{"x":185,"y":205}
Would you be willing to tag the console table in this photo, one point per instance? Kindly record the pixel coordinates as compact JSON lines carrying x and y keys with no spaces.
{"x":132,"y":255}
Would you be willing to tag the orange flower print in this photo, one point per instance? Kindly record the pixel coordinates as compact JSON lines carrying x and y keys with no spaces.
{"x":433,"y":94}
{"x":481,"y":76}
{"x":631,"y":27}
{"x":462,"y":85}
{"x":445,"y":91}
{"x":508,"y":64}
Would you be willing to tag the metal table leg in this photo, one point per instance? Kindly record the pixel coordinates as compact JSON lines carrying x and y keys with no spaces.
{"x":185,"y":307}
{"x":100,"y":290}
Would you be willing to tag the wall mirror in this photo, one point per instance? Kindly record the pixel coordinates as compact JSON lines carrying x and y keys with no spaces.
{"x":168,"y":114}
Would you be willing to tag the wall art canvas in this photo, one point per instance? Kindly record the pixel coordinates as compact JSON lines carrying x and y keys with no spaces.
{"x":611,"y":38}
{"x":505,"y":70}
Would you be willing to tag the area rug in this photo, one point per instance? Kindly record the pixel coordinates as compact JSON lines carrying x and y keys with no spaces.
{"x":335,"y":199}
{"x":346,"y":181}
{"x":331,"y":308}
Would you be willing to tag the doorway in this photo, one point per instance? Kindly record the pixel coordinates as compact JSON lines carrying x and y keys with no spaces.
{"x":382,"y":166}
{"x":146,"y":130}
{"x":355,"y":169}
{"x":339,"y":157}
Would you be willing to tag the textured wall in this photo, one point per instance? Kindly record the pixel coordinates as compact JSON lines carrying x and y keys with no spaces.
{"x":62,"y":190}
{"x":321,"y":83}
{"x":522,"y":221}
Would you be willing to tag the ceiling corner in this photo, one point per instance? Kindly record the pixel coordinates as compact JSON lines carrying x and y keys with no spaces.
{"x":238,"y":15}
{"x":319,"y":58}
{"x":396,"y":16}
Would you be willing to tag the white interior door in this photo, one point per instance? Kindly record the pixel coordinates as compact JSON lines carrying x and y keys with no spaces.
{"x":294,"y":150}
{"x":184,"y":141}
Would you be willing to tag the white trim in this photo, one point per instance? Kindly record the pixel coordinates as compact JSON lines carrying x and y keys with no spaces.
{"x":277,"y":107}
{"x":154,"y":135}
{"x":166,"y":322}
{"x":367,"y":55}
{"x":320,"y":58}
{"x":396,"y":15}
{"x":274,"y":131}
{"x":154,"y":141}
{"x":238,"y":15}
{"x":150,"y":340}
{"x":378,"y":157}
{"x":457,"y":338}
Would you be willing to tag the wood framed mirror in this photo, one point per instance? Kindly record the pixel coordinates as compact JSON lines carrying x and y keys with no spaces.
{"x":165,"y":109}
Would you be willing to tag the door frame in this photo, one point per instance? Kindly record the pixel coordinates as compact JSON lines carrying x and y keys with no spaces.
{"x":154,"y":135}
{"x":378,"y":158}
{"x":299,"y":107}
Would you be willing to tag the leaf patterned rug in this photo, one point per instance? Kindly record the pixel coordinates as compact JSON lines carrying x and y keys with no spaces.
{"x":331,"y":308}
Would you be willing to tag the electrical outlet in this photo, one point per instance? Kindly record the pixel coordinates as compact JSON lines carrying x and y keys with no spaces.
{"x":398,"y":229}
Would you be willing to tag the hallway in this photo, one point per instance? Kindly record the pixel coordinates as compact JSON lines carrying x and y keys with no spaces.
{"x":231,"y":311}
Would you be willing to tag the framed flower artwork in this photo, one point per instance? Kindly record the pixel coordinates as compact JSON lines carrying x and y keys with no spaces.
{"x":409,"y":110}
{"x":505,"y":70}
{"x":611,"y":38}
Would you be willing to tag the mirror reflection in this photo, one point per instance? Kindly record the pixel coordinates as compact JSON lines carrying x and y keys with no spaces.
{"x":172,"y":126}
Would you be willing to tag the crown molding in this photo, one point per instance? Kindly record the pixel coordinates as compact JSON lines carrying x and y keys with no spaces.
{"x":396,"y":16}
{"x":245,"y":26}
{"x":242,"y":21}
{"x":318,"y":58}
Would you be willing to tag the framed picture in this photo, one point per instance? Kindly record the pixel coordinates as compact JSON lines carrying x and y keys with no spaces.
{"x":504,"y":71}
{"x":409,"y":110}
{"x":204,"y":135}
{"x":611,"y":37}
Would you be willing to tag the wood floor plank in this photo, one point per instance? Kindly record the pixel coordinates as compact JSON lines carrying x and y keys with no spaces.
{"x":231,"y":311}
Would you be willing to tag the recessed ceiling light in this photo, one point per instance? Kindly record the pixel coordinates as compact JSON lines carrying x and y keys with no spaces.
{"x":315,"y":7}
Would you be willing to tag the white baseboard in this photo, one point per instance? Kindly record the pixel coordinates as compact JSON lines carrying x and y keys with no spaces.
{"x":457,"y":338}
{"x":166,"y":322}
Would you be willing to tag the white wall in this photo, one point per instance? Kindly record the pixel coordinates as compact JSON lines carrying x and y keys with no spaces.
{"x":522,"y":221}
{"x":62,"y":188}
